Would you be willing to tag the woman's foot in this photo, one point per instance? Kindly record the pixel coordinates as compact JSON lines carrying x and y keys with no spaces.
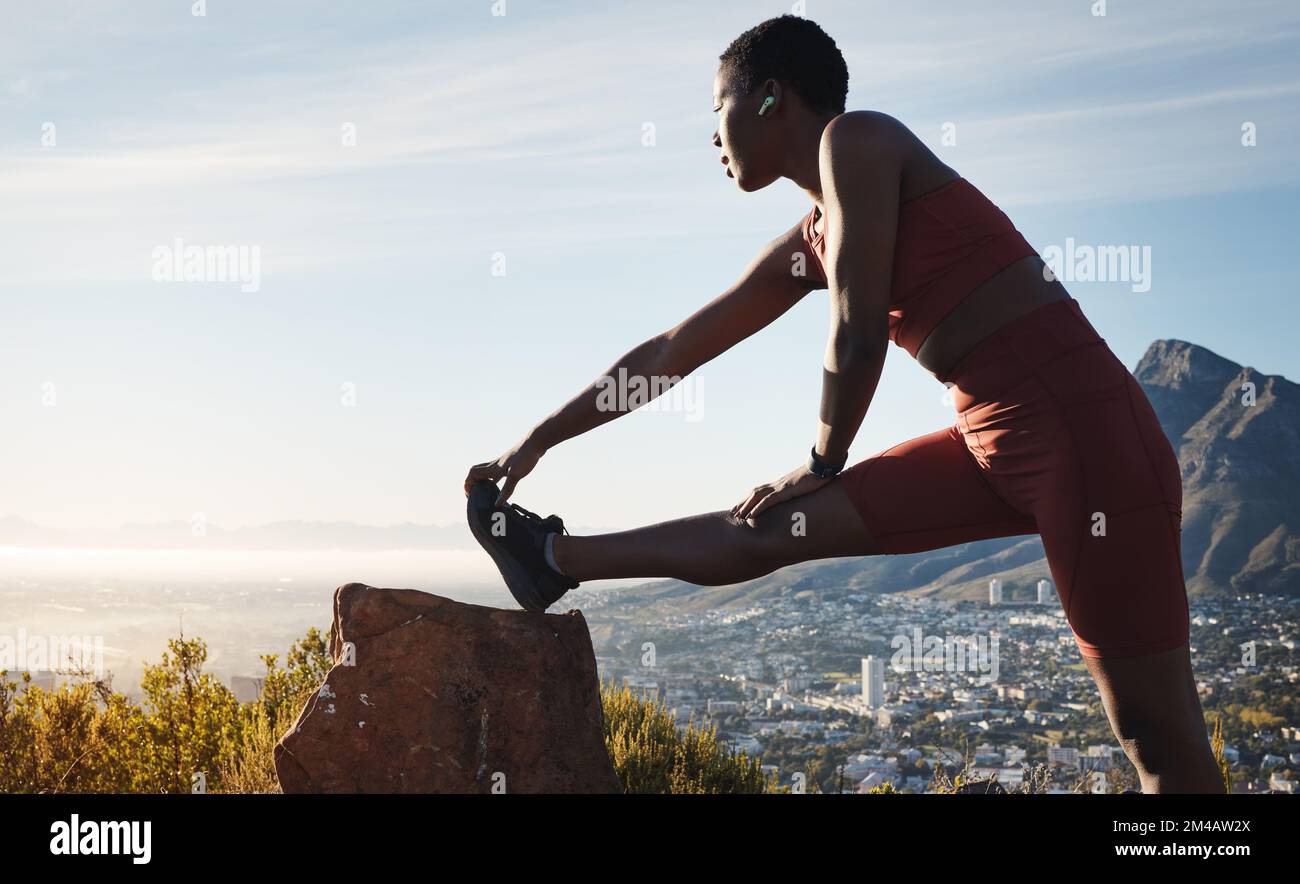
{"x":516,"y":540}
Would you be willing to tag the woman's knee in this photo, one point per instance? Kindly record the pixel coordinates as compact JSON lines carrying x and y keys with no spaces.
{"x":768,"y":542}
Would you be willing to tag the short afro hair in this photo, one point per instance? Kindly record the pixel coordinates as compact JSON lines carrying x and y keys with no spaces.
{"x":793,"y":49}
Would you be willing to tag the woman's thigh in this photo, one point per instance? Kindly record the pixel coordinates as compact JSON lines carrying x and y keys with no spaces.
{"x":928,"y":493}
{"x":923,"y":494}
{"x":1112,"y":526}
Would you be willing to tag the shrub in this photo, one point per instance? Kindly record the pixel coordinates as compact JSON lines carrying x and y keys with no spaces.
{"x":651,"y":756}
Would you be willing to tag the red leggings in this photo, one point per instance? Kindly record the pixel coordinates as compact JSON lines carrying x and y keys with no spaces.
{"x":1053,"y":437}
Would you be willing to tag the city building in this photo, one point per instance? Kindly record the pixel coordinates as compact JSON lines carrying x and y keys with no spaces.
{"x":1063,"y":756}
{"x":873,"y":682}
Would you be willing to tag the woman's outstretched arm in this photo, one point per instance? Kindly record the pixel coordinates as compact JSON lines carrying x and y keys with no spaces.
{"x":765,"y":290}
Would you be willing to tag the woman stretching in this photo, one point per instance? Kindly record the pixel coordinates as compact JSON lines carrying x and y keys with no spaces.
{"x":1053,"y":435}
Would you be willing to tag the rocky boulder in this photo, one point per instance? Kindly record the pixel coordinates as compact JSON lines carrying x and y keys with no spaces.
{"x":432,"y":695}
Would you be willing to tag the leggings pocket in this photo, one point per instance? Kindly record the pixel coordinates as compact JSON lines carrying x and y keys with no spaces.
{"x":1159,"y":449}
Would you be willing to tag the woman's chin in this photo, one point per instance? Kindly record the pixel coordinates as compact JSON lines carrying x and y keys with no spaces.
{"x":747,"y":184}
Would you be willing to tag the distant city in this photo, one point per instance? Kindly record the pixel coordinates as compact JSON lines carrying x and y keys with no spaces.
{"x":868,"y":690}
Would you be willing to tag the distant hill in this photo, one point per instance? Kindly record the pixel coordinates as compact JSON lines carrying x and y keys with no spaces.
{"x":1241,"y":502}
{"x":286,"y":535}
{"x":15,"y":531}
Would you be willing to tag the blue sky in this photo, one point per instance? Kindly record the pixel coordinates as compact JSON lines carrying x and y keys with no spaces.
{"x":522,"y":135}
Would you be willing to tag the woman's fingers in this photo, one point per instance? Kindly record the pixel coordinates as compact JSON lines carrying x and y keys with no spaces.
{"x":771,"y":499}
{"x":785,"y":492}
{"x":767,"y":501}
{"x":743,"y":510}
{"x":490,"y":470}
{"x":735,"y":510}
{"x":509,"y":488}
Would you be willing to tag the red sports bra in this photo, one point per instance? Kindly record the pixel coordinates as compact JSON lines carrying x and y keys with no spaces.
{"x":948,"y":242}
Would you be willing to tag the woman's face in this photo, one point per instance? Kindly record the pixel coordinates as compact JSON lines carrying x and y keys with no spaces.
{"x":740,"y":136}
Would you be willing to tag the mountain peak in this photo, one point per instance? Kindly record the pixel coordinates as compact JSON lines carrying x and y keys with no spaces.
{"x":1178,"y":365}
{"x":1184,"y":381}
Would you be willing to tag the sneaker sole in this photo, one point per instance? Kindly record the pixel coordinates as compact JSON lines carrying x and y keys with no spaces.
{"x":518,"y":580}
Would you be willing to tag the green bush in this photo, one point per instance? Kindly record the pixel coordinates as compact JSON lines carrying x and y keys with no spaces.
{"x":651,"y":756}
{"x":84,"y":737}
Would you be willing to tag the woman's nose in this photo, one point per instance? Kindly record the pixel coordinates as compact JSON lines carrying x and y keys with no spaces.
{"x":717,"y":142}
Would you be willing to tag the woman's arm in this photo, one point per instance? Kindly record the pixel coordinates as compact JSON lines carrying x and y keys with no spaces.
{"x":584,"y":412}
{"x":861,"y":167}
{"x":580,"y":414}
{"x":766,"y":289}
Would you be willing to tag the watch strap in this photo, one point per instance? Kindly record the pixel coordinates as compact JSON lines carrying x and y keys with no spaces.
{"x":820,"y":468}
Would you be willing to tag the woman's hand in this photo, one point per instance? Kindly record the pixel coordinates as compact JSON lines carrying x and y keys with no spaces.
{"x":513,"y":465}
{"x":794,"y":484}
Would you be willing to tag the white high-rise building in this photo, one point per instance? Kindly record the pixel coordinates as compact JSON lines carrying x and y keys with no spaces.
{"x":1045,"y":594}
{"x":995,"y":591}
{"x":873,"y":682}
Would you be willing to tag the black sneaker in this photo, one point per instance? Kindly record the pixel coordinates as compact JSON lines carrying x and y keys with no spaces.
{"x":520,"y":550}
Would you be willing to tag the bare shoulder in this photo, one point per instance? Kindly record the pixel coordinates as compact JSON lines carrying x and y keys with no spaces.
{"x":861,"y":160}
{"x":871,"y":132}
{"x":862,"y":147}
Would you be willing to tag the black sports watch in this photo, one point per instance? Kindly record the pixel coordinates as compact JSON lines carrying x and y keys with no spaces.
{"x":821,"y":469}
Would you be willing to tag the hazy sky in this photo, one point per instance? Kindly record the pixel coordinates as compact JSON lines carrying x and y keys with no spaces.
{"x":132,"y":400}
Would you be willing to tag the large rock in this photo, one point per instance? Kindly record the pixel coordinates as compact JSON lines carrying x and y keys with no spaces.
{"x":432,"y":695}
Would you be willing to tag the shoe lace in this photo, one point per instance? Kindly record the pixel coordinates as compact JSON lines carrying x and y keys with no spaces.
{"x":553,"y":522}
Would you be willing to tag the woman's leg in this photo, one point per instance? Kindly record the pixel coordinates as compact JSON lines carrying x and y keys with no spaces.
{"x":1127,"y":603}
{"x":925,"y":493}
{"x":1155,"y":712}
{"x":1108,"y":489}
{"x":713,"y":549}
{"x":1124,"y":595}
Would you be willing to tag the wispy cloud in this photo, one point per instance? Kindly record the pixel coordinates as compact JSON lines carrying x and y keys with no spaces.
{"x":550,"y":113}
